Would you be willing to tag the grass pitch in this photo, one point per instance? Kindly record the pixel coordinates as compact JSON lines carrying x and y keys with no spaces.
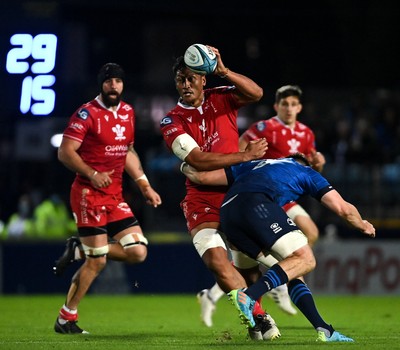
{"x":172,"y":322}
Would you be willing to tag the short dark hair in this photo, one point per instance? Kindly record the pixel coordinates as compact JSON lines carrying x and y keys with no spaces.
{"x":286,"y":91}
{"x":299,"y":157}
{"x":178,"y":65}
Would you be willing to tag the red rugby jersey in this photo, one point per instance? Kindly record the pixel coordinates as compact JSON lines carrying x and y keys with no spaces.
{"x":282,"y":140}
{"x":212,"y":125}
{"x":105,"y":136}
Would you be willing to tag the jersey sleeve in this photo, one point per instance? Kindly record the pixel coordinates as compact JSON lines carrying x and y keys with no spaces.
{"x":171,"y":128}
{"x":310,"y":145}
{"x":255,"y":131}
{"x":316,"y":184}
{"x":229,"y":175}
{"x":79,"y":124}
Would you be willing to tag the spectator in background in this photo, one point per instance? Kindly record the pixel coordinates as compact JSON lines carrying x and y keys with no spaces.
{"x":20,"y":224}
{"x":52,"y":219}
{"x":340,"y":147}
{"x":364,"y":146}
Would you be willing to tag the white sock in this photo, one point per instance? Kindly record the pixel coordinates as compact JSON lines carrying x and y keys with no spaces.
{"x":215,"y":293}
{"x":77,"y":254}
{"x":70,"y":311}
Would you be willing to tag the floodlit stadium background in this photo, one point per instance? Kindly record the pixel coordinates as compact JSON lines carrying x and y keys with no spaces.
{"x":342,"y":55}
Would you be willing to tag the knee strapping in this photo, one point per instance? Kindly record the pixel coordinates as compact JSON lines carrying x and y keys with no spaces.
{"x":242,"y":261}
{"x":95,"y":252}
{"x":133,"y":239}
{"x":207,"y":238}
{"x":267,"y":260}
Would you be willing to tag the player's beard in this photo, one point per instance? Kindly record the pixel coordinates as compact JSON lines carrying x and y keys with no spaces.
{"x":111,"y":99}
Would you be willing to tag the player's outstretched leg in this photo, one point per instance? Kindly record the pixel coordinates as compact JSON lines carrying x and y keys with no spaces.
{"x":68,"y":257}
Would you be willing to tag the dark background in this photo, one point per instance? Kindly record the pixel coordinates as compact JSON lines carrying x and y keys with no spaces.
{"x":338,"y":49}
{"x":327,"y":43}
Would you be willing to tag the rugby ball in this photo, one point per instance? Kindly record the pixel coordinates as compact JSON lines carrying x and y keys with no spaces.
{"x":200,"y":59}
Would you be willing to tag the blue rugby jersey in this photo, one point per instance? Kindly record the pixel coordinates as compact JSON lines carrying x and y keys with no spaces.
{"x":283,"y":180}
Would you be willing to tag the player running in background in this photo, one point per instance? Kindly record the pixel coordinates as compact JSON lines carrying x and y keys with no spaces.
{"x":255,"y":223}
{"x":98,"y":146}
{"x":202,"y":131}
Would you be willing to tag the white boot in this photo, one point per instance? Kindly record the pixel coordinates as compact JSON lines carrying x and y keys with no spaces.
{"x":281,"y":296}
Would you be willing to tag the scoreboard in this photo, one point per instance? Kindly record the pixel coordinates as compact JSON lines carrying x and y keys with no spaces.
{"x":32,"y":58}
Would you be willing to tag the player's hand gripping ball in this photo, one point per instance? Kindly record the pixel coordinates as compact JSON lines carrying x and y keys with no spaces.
{"x":200,"y":59}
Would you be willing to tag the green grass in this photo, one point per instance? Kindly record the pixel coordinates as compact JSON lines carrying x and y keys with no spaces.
{"x":172,"y":322}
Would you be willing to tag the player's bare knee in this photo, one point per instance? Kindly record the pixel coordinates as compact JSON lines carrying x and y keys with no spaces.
{"x":312,"y":263}
{"x":216,"y":259}
{"x":307,"y":258}
{"x":95,"y":264}
{"x":136,"y":254}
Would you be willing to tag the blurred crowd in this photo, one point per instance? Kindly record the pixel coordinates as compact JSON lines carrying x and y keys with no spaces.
{"x":351,"y":125}
{"x":39,"y":218}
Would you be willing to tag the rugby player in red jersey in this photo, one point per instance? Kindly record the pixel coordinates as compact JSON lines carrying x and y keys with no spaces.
{"x":202,"y":131}
{"x":98,"y":146}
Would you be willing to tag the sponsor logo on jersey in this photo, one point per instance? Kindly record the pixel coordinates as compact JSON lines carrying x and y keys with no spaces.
{"x":209,"y":142}
{"x":290,"y":222}
{"x":77,"y":126}
{"x":119,"y":131}
{"x":123,"y":116}
{"x":116,"y":148}
{"x":275,"y":227}
{"x":170,"y":131}
{"x":260,"y":126}
{"x":165,"y":121}
{"x":124,"y":207}
{"x":83,"y":113}
{"x":300,"y":134}
{"x":213,"y":107}
{"x":126,"y":107}
{"x":189,"y":119}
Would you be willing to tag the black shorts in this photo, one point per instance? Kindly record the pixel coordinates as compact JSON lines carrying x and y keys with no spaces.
{"x":253,"y":223}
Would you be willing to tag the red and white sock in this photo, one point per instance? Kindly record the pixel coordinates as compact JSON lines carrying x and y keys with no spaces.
{"x":258,"y":308}
{"x":66,"y":314}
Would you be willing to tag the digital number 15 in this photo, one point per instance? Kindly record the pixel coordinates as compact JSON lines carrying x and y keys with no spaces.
{"x":42,"y":48}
